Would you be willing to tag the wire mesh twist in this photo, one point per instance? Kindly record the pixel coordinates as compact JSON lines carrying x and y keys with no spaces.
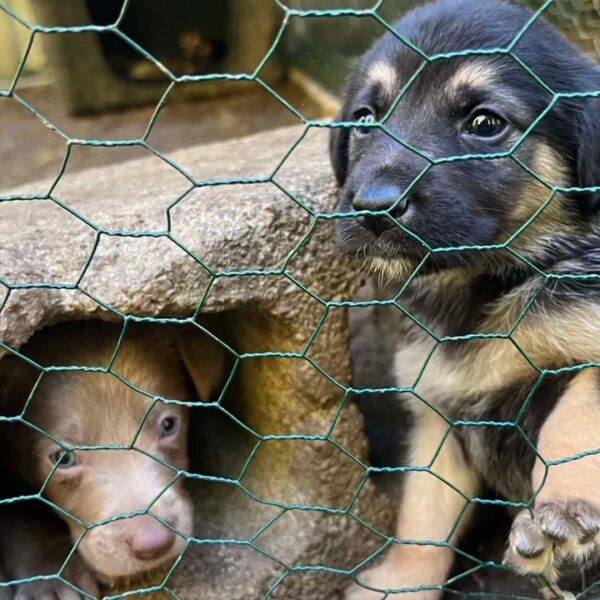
{"x":568,"y":13}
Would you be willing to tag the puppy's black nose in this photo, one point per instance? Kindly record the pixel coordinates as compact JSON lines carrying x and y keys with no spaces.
{"x":378,"y":196}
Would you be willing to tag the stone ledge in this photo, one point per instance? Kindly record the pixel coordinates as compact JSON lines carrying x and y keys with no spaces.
{"x":223,"y":228}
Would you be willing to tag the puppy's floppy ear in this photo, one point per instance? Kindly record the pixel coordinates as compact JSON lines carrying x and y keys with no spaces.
{"x":588,"y":154}
{"x":16,"y":383}
{"x":206,"y":362}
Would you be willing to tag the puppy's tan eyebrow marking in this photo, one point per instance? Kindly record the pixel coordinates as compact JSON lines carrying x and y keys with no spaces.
{"x":384,"y":75}
{"x":473,"y":74}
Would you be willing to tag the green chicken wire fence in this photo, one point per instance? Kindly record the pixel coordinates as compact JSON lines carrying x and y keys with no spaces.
{"x":576,"y":18}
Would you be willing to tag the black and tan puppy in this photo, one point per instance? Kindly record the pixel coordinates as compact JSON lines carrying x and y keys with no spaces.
{"x":502,"y":329}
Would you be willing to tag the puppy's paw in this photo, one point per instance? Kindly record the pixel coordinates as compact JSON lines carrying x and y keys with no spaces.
{"x":48,"y":589}
{"x":386,"y":578}
{"x":76,"y":573}
{"x":554,"y":533}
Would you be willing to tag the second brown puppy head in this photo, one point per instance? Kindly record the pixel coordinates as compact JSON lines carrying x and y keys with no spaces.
{"x":140,"y":442}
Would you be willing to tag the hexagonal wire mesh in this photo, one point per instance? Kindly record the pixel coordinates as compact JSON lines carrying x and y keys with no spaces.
{"x":579,"y":18}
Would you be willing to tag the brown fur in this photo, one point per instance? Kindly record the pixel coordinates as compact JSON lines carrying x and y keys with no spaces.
{"x":114,"y":408}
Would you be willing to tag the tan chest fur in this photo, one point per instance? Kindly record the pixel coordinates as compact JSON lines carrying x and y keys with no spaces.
{"x":455,"y":374}
{"x":436,"y":378}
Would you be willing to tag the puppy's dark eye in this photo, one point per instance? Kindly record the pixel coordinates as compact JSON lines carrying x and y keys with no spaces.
{"x":366,"y":116}
{"x":63,"y":460}
{"x":485,"y":124}
{"x":168,"y":426}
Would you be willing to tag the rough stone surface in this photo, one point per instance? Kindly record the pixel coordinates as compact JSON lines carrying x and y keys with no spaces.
{"x":98,"y":273}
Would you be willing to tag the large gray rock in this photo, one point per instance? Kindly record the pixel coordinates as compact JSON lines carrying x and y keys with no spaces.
{"x":66,"y":257}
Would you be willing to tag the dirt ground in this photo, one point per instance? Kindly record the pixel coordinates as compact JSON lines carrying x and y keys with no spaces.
{"x":31,"y":151}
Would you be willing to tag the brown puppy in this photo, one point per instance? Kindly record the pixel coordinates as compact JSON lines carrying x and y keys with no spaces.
{"x":134,"y":474}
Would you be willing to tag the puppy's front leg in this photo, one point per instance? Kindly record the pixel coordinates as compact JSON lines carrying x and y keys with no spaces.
{"x":564,"y":525}
{"x":430,"y":510}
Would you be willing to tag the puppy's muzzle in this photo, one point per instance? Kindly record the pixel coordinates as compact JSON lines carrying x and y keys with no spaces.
{"x":379,"y":196}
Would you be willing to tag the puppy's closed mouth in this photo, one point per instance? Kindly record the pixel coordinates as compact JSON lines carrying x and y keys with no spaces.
{"x":378,"y":236}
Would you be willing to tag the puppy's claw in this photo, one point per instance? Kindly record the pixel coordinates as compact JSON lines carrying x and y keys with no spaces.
{"x":564,"y":521}
{"x":527,"y":538}
{"x":552,"y":533}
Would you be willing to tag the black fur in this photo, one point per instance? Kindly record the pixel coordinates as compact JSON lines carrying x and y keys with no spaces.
{"x":454,"y":208}
{"x":464,"y":203}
